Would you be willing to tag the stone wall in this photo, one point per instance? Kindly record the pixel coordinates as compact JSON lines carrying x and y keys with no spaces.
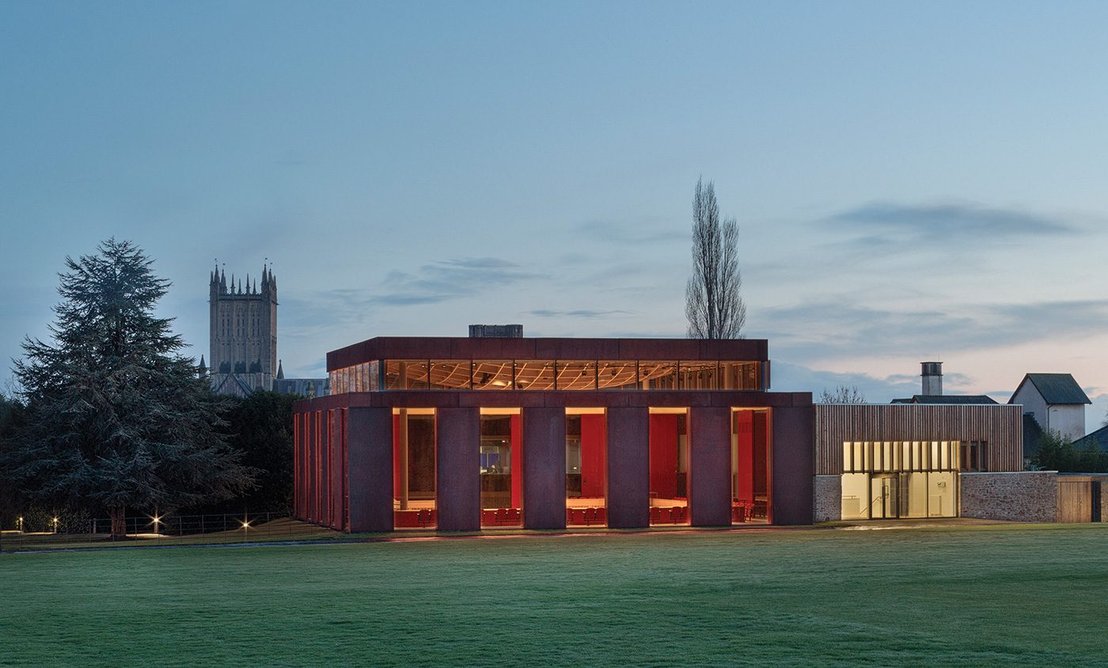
{"x":827,"y":492}
{"x":1024,"y":496}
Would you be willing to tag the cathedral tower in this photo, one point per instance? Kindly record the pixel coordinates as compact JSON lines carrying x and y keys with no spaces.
{"x":243,"y":333}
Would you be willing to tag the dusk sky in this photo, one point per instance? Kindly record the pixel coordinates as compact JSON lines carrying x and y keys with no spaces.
{"x":912,"y":182}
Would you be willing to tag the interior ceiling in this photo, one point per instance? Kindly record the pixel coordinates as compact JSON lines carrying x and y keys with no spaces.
{"x":537,"y":375}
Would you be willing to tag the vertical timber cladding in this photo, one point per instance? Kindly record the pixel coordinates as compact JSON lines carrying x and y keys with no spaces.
{"x":1001,"y":426}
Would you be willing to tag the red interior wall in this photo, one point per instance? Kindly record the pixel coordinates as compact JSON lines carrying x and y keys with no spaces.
{"x":663,"y":456}
{"x":761,"y":454}
{"x":594,"y":440}
{"x":396,"y":456}
{"x":517,"y":461}
{"x":744,"y":429}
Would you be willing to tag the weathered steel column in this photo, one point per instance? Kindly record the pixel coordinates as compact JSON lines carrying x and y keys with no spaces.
{"x":710,"y":466}
{"x":458,"y":469}
{"x":791,"y":464}
{"x":338,"y":469}
{"x":313,"y":465}
{"x":324,"y":418}
{"x":369,"y":468}
{"x":628,"y":467}
{"x":544,"y":468}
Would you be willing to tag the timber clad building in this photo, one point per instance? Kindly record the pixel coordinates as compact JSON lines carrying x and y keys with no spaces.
{"x":459,"y":434}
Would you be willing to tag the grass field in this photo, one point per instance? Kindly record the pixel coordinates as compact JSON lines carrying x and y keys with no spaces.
{"x":952,"y":596}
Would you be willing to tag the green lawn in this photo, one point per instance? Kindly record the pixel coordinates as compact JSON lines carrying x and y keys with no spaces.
{"x":1030,"y":595}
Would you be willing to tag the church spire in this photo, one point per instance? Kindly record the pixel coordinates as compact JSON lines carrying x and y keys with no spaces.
{"x":280,"y":370}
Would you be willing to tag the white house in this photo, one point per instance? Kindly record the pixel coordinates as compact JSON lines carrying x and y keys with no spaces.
{"x":1056,"y":402}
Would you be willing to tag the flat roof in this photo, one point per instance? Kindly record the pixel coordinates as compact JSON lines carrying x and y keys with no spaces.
{"x":465,"y":348}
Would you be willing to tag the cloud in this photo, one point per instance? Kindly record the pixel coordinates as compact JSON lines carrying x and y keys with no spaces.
{"x":787,"y":377}
{"x":836,"y":327}
{"x":449,"y":279}
{"x":885,"y":222}
{"x":576,"y":313}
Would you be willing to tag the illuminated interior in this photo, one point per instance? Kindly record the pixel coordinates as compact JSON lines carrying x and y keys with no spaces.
{"x":501,"y":467}
{"x":895,"y":479}
{"x":669,"y":466}
{"x":586,"y":467}
{"x":413,"y":448}
{"x":507,"y":374}
{"x":750,"y":465}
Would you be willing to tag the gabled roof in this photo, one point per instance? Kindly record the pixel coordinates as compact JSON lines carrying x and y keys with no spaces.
{"x":1055,"y":388}
{"x":947,"y":399}
{"x":1097,"y":439}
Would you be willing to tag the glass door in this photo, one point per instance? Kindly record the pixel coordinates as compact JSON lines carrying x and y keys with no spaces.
{"x":883,"y":497}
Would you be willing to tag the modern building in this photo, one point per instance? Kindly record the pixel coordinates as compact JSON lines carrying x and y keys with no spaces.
{"x":1056,"y":402}
{"x":914,"y":458}
{"x":242,"y":333}
{"x":461,"y":434}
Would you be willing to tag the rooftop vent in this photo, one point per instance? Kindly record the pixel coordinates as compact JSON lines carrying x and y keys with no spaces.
{"x":496,"y":331}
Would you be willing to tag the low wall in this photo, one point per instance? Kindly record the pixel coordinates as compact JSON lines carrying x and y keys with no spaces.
{"x":827,"y":504}
{"x":1021,"y":496}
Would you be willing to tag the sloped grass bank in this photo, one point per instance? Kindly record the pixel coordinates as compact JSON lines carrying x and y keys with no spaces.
{"x":1027,"y":595}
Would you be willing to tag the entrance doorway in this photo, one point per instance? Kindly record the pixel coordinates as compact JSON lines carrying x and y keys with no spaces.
{"x":884,"y":504}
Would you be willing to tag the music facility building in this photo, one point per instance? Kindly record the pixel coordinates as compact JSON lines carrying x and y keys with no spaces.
{"x":498,"y":431}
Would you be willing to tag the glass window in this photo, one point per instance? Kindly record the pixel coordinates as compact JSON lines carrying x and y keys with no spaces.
{"x":450,"y":374}
{"x":739,"y":375}
{"x":617,"y":375}
{"x":855,"y":499}
{"x":698,"y":375}
{"x":534,"y":374}
{"x":406,"y":374}
{"x":658,"y":375}
{"x":492,"y":374}
{"x":576,"y":375}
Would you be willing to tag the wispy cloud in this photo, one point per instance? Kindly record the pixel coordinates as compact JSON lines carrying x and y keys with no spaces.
{"x":449,"y":279}
{"x":812,"y":331}
{"x":945,"y":222}
{"x":576,"y":313}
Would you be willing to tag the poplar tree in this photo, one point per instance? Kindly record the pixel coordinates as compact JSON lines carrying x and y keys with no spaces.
{"x":116,"y":417}
{"x":714,"y":307}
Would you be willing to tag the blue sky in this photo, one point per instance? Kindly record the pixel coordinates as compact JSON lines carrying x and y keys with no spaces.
{"x":911,"y":181}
